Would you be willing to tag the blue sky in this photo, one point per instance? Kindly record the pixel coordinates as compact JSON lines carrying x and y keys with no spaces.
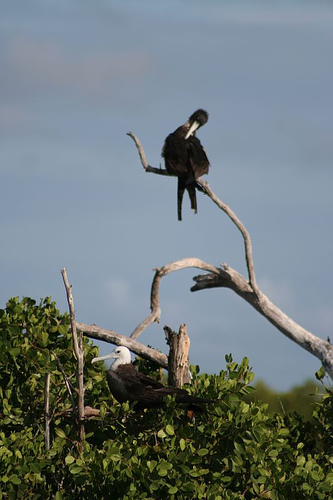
{"x":76,"y":76}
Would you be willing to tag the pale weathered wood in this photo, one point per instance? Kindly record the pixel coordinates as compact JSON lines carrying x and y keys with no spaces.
{"x":78,"y":349}
{"x":318,"y":347}
{"x":223,"y":206}
{"x":47,"y":417}
{"x":179,"y":361}
{"x":229,"y":278}
{"x":96,"y":332}
{"x":155,"y":306}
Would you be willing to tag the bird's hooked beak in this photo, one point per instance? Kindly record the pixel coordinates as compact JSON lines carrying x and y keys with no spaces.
{"x":195,"y":125}
{"x":112,"y":355}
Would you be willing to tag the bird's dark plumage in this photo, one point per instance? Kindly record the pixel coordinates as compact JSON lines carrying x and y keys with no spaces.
{"x":127,"y":384}
{"x":186,"y":158}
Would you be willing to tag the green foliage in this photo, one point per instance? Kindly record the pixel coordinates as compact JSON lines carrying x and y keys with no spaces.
{"x":237,"y":450}
{"x":301,"y":398}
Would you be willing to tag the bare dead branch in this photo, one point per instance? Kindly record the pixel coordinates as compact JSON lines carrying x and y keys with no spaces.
{"x":96,"y":332}
{"x":318,"y":347}
{"x":148,"y":168}
{"x":140,"y":149}
{"x":246,"y":236}
{"x":78,"y":349}
{"x":47,"y":418}
{"x":67,"y":383}
{"x":155,"y":307}
{"x":223,"y":206}
{"x":90,"y":412}
{"x":229,"y":278}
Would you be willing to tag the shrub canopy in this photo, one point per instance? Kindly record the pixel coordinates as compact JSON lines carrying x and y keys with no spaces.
{"x":236,"y":450}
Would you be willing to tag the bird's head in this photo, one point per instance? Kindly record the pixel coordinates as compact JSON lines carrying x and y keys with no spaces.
{"x":120,"y":354}
{"x":197,"y":120}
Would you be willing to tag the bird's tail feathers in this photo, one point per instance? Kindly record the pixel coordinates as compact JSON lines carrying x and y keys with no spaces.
{"x":180,"y":194}
{"x":193,"y":197}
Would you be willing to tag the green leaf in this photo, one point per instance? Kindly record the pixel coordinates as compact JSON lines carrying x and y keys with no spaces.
{"x":320,"y":374}
{"x":59,"y":432}
{"x":76,"y":469}
{"x":170,"y":430}
{"x":44,"y":338}
{"x":14,"y":479}
{"x":164,"y":466}
{"x":69,"y":459}
{"x":182,"y":444}
{"x":202,"y":452}
{"x":63,"y":329}
{"x":172,"y":490}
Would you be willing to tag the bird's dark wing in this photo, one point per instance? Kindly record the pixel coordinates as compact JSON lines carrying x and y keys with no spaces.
{"x":151,"y":398}
{"x":127,"y":384}
{"x":175,"y":154}
{"x":197,"y":157}
{"x":182,"y":396}
{"x":131,"y":376}
{"x":148,"y":381}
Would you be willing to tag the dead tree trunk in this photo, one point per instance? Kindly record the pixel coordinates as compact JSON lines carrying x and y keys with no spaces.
{"x":178,"y":361}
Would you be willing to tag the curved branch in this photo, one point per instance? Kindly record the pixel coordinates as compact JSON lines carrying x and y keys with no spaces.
{"x":148,"y":168}
{"x":96,"y":332}
{"x":140,"y":149}
{"x":155,"y":306}
{"x":246,"y":236}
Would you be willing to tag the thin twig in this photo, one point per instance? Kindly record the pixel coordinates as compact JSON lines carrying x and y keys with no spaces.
{"x":148,"y":168}
{"x":78,"y":349}
{"x":67,"y":383}
{"x":140,"y":150}
{"x":47,"y":417}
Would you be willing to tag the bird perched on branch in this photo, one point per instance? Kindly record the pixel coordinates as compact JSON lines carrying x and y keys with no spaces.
{"x":186,"y":158}
{"x":127,"y":384}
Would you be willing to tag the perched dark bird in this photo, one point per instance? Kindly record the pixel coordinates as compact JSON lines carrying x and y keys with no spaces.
{"x":127,"y":384}
{"x":186,"y":158}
